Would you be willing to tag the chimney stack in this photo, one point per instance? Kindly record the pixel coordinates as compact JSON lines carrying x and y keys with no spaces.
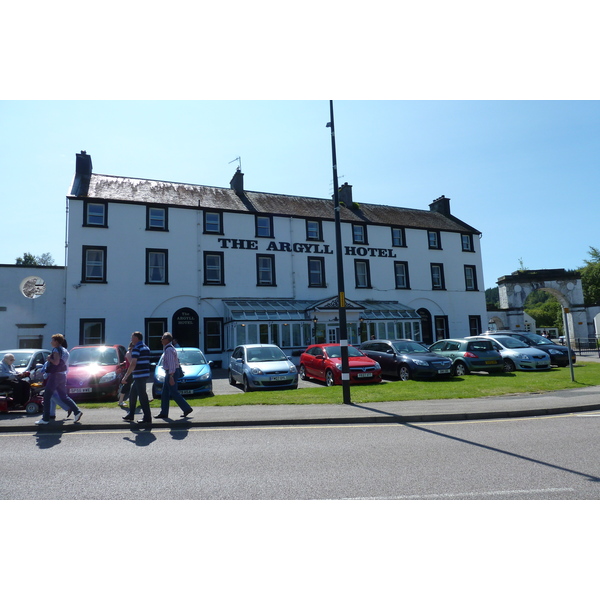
{"x":237,"y":183}
{"x":345,"y":195}
{"x":83,"y":174}
{"x":441,"y":205}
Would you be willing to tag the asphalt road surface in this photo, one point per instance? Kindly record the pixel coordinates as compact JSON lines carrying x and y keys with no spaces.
{"x":538,"y":458}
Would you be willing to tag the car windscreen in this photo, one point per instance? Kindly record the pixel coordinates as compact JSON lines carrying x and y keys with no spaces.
{"x":264,"y":354}
{"x":409,"y":347}
{"x":101,"y":356}
{"x":336,"y":351}
{"x":539,"y":340}
{"x":191,"y":357}
{"x":21,"y":359}
{"x":511,"y":342}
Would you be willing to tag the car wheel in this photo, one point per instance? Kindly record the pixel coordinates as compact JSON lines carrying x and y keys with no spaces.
{"x":403,"y":373}
{"x":460,"y":369}
{"x":155,"y":394}
{"x":32,"y":408}
{"x":329,"y":380}
{"x":509,"y":366}
{"x":231,"y":379}
{"x":303,"y":374}
{"x":247,"y":387}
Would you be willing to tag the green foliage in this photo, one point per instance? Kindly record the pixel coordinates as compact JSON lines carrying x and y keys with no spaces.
{"x":492,"y":297}
{"x":590,"y":278}
{"x":544,"y":308}
{"x":29,"y":260}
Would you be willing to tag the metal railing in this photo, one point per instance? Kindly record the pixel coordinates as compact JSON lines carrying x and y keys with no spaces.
{"x":586,"y":346}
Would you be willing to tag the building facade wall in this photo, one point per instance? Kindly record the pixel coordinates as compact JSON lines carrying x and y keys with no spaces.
{"x":30,"y":319}
{"x":124,"y":301}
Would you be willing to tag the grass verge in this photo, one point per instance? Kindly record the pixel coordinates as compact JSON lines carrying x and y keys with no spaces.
{"x":471,"y":386}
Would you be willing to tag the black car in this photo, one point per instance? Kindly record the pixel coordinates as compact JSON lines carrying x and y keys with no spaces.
{"x":407,"y":359}
{"x":559,"y":355}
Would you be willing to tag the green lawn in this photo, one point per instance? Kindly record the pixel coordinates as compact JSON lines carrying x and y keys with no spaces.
{"x":471,"y":386}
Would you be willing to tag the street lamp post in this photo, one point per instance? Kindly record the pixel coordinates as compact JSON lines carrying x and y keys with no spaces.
{"x":340,"y":269}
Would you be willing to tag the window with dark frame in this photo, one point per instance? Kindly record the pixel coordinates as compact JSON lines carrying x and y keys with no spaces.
{"x":362,"y":274}
{"x":437,"y":276}
{"x":359,"y":233}
{"x":467,"y":242}
{"x":156,"y":218}
{"x":153,"y":334}
{"x":265,"y":270}
{"x":93,"y":264}
{"x":398,"y":237}
{"x":316,"y":271}
{"x":474,"y":324}
{"x":213,"y":222}
{"x":213,"y":335}
{"x":92,"y":331}
{"x":314,"y":231}
{"x":441,"y":327}
{"x":95,"y":214}
{"x":401,"y":275}
{"x":470,"y":278}
{"x":434,"y":240}
{"x":264,"y":226}
{"x":157,"y":266}
{"x":214,"y":272}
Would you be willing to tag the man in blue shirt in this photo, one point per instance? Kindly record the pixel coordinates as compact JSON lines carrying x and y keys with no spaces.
{"x":140,"y":367}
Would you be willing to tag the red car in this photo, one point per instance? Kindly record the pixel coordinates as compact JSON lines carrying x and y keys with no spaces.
{"x":95,"y":372}
{"x":324,"y":362}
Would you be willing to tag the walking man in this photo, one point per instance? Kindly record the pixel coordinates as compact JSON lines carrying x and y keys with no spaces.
{"x":140,"y":368}
{"x":170,"y":363}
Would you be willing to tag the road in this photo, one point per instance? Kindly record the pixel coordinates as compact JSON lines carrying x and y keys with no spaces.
{"x":537,"y":458}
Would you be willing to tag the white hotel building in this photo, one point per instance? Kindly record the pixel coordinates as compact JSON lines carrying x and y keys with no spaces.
{"x":224,"y":266}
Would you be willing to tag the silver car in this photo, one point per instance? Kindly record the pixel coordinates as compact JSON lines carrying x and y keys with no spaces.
{"x":262,"y":367}
{"x":518,"y":355}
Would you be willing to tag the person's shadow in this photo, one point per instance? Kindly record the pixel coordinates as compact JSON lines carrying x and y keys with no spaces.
{"x":142,"y":438}
{"x":47,"y":440}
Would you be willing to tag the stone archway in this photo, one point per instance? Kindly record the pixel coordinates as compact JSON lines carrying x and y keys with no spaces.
{"x":564,"y":285}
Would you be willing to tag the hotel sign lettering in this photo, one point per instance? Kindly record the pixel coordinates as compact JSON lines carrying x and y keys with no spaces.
{"x":240,"y":244}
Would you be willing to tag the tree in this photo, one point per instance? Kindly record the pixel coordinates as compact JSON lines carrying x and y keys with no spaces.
{"x":590,"y":278}
{"x":29,"y":260}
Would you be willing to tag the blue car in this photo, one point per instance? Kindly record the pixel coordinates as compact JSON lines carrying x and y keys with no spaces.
{"x":197,"y":374}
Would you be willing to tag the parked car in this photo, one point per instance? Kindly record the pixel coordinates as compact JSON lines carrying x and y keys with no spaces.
{"x":324,"y":362}
{"x":95,"y":372}
{"x":197,"y":373}
{"x":26,"y":359}
{"x":407,"y":359}
{"x":559,"y":355}
{"x":470,"y":355}
{"x":518,"y":355}
{"x":262,"y":367}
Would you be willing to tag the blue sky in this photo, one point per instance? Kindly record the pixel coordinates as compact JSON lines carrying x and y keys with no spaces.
{"x":525,"y":173}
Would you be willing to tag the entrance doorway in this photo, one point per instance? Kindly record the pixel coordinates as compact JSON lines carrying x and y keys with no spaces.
{"x":333,"y":334}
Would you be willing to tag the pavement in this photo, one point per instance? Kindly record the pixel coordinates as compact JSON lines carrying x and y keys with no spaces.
{"x":255,"y":415}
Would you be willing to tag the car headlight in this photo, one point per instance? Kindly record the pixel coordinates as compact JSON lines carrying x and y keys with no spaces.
{"x":205,"y":377}
{"x":421,"y":363}
{"x":108,"y":377}
{"x":338,"y":366}
{"x":160,"y":376}
{"x":554,"y":351}
{"x":292,"y":368}
{"x":377,"y":365}
{"x":256,"y":371}
{"x":523,"y":357}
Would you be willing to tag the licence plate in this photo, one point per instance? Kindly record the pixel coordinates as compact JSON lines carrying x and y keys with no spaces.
{"x":184,"y":392}
{"x":279,"y":378}
{"x":444,"y":371}
{"x":491,"y":362}
{"x":364,"y":374}
{"x":80,"y":390}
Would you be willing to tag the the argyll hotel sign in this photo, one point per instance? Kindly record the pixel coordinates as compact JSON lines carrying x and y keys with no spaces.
{"x":240,"y":244}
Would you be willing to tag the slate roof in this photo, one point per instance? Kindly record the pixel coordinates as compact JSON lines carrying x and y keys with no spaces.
{"x":147,"y":191}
